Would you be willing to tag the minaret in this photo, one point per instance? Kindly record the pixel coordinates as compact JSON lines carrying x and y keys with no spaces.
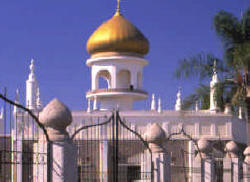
{"x":31,"y":88}
{"x":153,"y":104}
{"x":214,"y":81}
{"x":178,"y":101}
{"x":117,"y":49}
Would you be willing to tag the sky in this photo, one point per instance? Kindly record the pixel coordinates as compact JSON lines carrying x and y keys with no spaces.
{"x":54,"y":33}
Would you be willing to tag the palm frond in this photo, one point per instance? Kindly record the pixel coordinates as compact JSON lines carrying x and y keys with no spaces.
{"x":228,"y":28}
{"x":200,"y":65}
{"x":201,"y":94}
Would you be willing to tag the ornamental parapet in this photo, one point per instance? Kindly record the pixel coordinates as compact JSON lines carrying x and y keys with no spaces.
{"x":112,"y":90}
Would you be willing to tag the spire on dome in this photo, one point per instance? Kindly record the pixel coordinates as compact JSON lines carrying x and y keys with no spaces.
{"x":31,"y":88}
{"x":178,"y":100}
{"x":153,"y":106}
{"x":117,"y":35}
{"x":159,"y":105}
{"x":118,"y":8}
{"x":32,"y":70}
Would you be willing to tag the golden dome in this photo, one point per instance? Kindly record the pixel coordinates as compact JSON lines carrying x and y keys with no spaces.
{"x":117,"y":35}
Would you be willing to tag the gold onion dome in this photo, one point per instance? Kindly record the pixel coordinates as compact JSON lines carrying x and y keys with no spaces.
{"x":117,"y":35}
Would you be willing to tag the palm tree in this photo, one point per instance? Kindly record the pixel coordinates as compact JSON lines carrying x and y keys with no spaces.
{"x":235,"y":36}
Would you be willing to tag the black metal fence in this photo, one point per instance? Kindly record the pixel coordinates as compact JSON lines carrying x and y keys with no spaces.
{"x":23,"y":144}
{"x":112,"y":151}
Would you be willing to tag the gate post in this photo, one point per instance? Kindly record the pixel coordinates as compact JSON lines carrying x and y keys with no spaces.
{"x":155,"y":136}
{"x":203,"y":164}
{"x":56,"y":117}
{"x":246,"y":165}
{"x":231,"y":163}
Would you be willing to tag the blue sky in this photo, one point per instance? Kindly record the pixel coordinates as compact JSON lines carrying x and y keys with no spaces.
{"x":55,"y":32}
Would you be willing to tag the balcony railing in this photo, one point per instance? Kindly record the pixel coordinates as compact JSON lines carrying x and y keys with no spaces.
{"x":117,"y":90}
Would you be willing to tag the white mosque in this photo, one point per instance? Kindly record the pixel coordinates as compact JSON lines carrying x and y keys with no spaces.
{"x":117,"y":52}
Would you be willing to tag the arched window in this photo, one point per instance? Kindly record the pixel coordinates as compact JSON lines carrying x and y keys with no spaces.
{"x":123,"y":79}
{"x":103,"y":79}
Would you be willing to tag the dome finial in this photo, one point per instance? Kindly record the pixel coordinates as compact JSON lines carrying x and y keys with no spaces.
{"x":118,"y":8}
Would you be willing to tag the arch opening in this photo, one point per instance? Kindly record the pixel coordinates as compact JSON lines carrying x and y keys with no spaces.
{"x":103,"y":80}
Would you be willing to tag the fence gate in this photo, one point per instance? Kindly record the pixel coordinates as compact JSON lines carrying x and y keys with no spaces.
{"x":110,"y":150}
{"x":23,"y":144}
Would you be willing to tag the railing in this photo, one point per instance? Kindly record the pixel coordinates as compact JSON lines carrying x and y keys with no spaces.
{"x":117,"y":90}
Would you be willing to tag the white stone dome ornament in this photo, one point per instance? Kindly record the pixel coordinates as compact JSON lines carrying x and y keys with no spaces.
{"x":204,"y":147}
{"x":247,"y":154}
{"x":56,"y":117}
{"x":232,"y":149}
{"x":155,"y":136}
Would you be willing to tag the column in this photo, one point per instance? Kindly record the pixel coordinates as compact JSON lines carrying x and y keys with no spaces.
{"x":40,"y":160}
{"x":246,"y":165}
{"x":19,"y":153}
{"x":103,"y":148}
{"x":155,"y":136}
{"x":161,"y":167}
{"x":231,"y":163}
{"x":203,"y":170}
{"x":56,"y":117}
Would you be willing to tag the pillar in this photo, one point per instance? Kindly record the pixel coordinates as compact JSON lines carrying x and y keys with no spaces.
{"x":246,"y":165}
{"x":231,"y":163}
{"x":103,"y":148}
{"x":40,"y":160}
{"x":161,"y":161}
{"x":203,"y":163}
{"x":19,"y":162}
{"x":56,"y":117}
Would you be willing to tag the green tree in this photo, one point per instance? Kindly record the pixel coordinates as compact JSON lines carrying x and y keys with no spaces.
{"x":233,"y":69}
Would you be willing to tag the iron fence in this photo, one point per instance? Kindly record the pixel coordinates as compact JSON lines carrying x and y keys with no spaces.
{"x":23,"y":144}
{"x":112,"y":151}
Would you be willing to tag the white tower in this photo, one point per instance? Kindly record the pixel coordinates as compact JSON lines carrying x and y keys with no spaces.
{"x":31,"y":88}
{"x":214,"y":81}
{"x":117,"y":50}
